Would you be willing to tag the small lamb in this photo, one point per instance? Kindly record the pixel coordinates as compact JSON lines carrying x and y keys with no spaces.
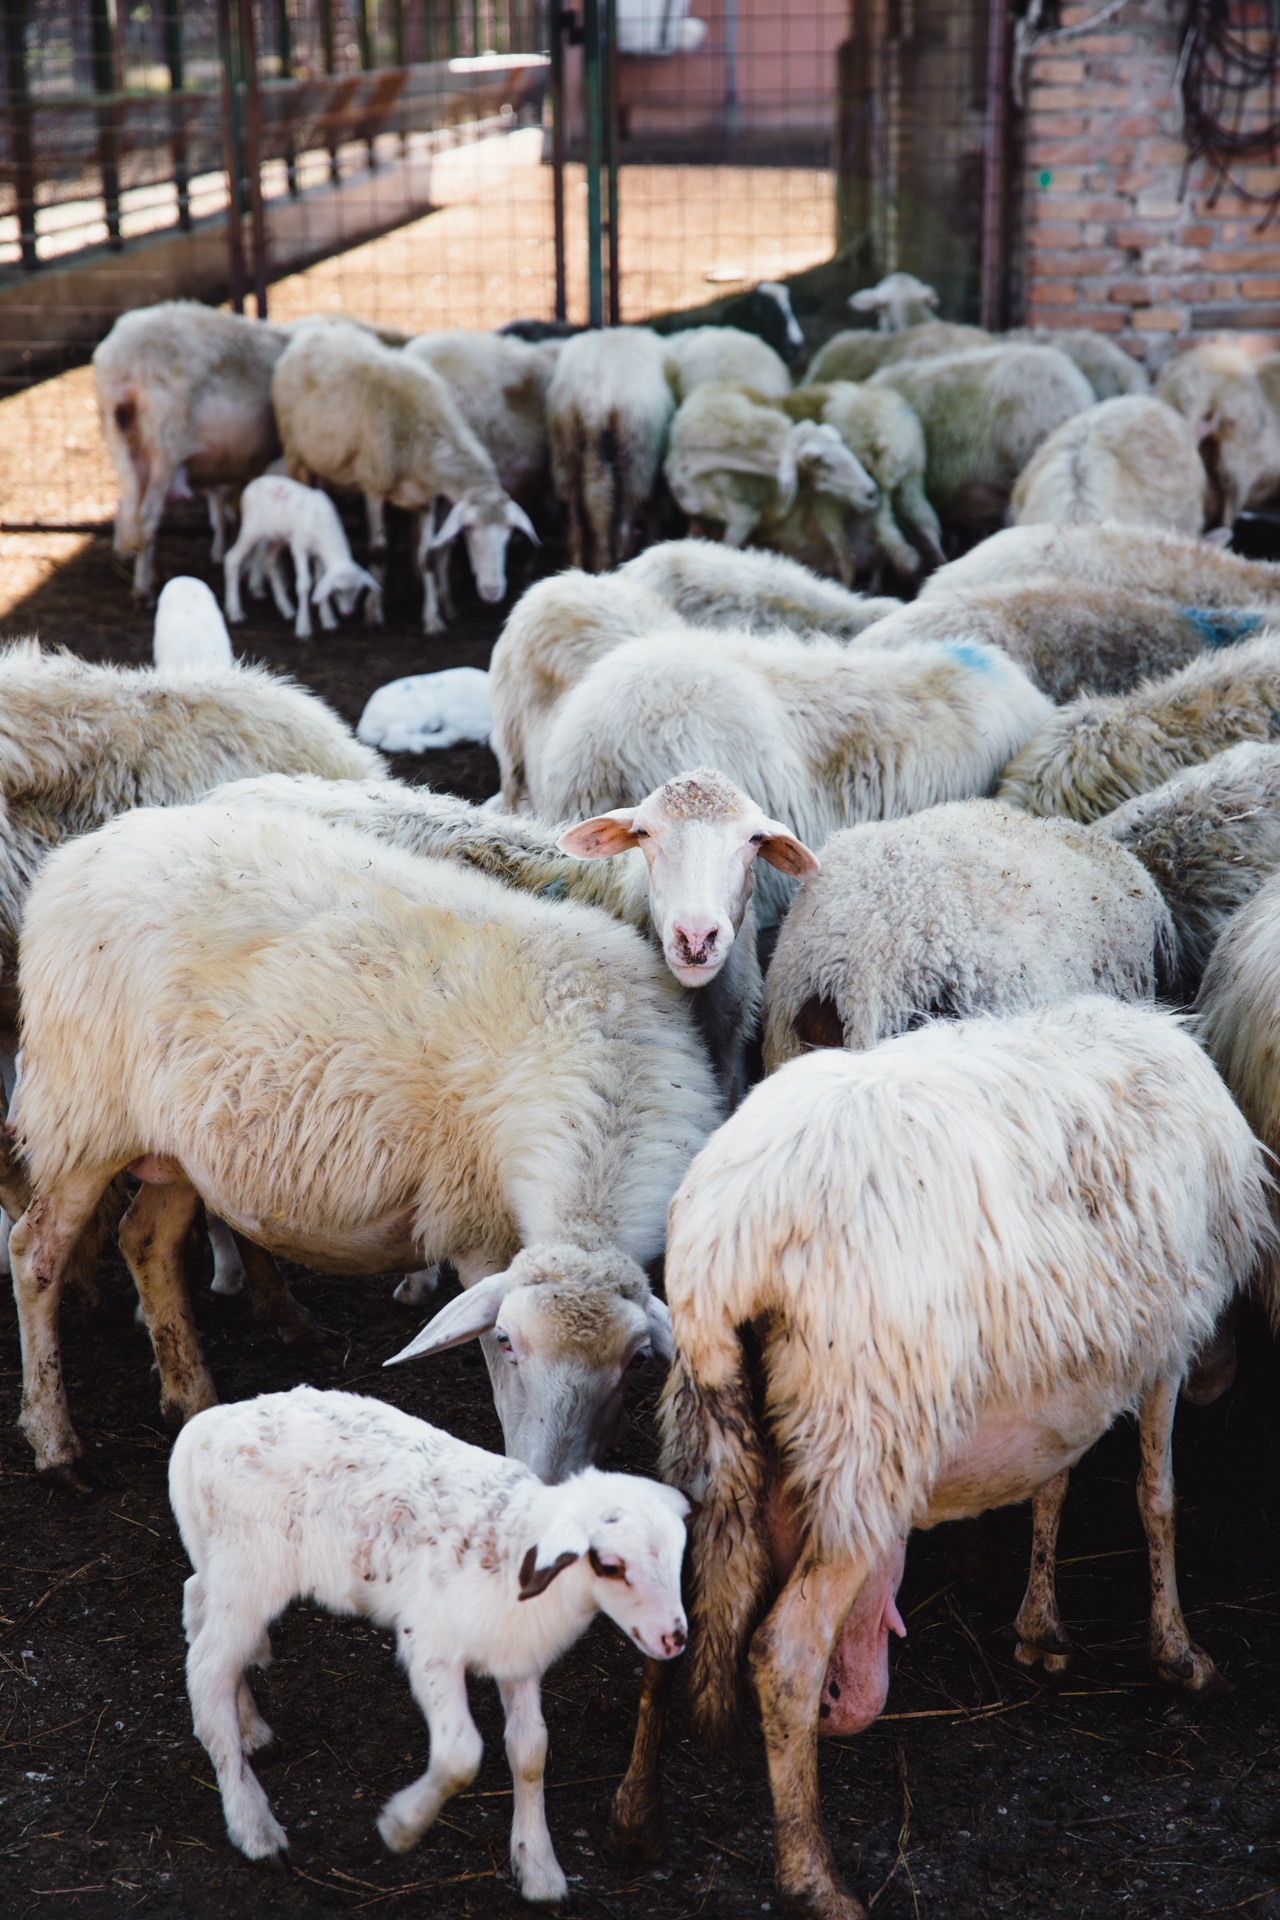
{"x":350,"y":1503}
{"x":190,"y":633}
{"x":426,"y":710}
{"x":275,"y":513}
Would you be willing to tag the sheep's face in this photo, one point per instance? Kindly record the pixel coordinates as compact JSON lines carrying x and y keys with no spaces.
{"x":827,"y":465}
{"x":636,"y":1548}
{"x":700,"y":837}
{"x":487,"y":525}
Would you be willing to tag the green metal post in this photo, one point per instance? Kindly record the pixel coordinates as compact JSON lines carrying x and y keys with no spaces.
{"x":173,"y":60}
{"x":609,"y":120}
{"x":327,"y":49}
{"x":102,"y":18}
{"x":556,"y":27}
{"x":591,"y":105}
{"x":15,"y":46}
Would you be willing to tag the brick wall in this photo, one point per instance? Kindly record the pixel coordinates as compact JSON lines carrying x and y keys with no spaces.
{"x":1108,"y":243}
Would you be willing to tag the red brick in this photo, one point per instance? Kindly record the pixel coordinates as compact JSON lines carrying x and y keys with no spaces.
{"x":1056,"y":293}
{"x":1060,"y":125}
{"x":1049,"y":233}
{"x":1056,"y":71}
{"x":1121,"y":45}
{"x":1130,"y":293}
{"x":1095,"y":317}
{"x":1076,"y":207}
{"x":1201,"y":236}
{"x":1163,"y":152}
{"x":1060,"y":265}
{"x":1135,"y":126}
{"x":1061,"y":153}
{"x":1192,"y":290}
{"x":1160,"y":320}
{"x":1260,"y":289}
{"x":1243,"y":259}
{"x":1137,"y":238}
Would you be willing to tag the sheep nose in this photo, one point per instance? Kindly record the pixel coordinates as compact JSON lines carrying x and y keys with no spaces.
{"x":673,"y":1643}
{"x":491,"y":591}
{"x":696,"y":941}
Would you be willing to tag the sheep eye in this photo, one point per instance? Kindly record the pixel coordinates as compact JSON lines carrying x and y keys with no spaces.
{"x":504,"y":1341}
{"x":608,"y":1569}
{"x":640,"y":1359}
{"x":757,"y":839}
{"x":641,"y":833}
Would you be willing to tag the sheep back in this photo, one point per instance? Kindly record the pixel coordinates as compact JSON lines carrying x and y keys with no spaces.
{"x":1129,"y":460}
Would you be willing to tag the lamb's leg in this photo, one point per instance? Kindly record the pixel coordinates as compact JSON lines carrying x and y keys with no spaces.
{"x":1176,"y":1657}
{"x":150,"y":514}
{"x":790,"y":1655}
{"x":153,"y":1240}
{"x":228,"y":1267}
{"x":417,"y":1287}
{"x":637,"y":1828}
{"x":216,"y":1660}
{"x":427,"y":556}
{"x":533,"y":1858}
{"x":916,"y":512}
{"x":231,"y":566}
{"x":302,"y":587}
{"x":254,"y":1731}
{"x":274,"y":552}
{"x":219,"y":513}
{"x":456,"y":1750}
{"x":273,"y":1303}
{"x":40,"y":1249}
{"x":899,"y":552}
{"x":376,"y":516}
{"x":1041,"y":1639}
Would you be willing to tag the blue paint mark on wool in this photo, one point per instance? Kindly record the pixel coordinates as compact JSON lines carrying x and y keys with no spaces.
{"x":977,"y":659}
{"x":554,"y":889}
{"x":1222,"y":626}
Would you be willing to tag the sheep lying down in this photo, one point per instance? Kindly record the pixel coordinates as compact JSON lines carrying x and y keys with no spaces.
{"x":365,"y":1061}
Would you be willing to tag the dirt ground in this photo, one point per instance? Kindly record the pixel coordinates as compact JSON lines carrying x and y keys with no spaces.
{"x":979,"y":1792}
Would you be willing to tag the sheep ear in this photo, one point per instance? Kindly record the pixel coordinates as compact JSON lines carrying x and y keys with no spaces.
{"x":455,"y":522}
{"x":601,"y":838}
{"x":782,"y":850}
{"x":866,"y":300}
{"x":518,"y":519}
{"x":788,"y":474}
{"x":564,"y":1542}
{"x":465,"y":1318}
{"x":1218,"y":537}
{"x":661,"y":1333}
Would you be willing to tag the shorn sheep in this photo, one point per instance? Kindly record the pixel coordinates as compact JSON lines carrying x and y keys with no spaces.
{"x":908,"y":1285}
{"x":756,"y":592}
{"x":365,"y":1061}
{"x":1132,"y":460}
{"x":967,"y":908}
{"x":190,"y":634}
{"x":1209,"y":838}
{"x":275,"y":513}
{"x":1137,"y":559}
{"x":1093,"y":755}
{"x":608,"y":410}
{"x":820,"y":735}
{"x":471,"y":1562}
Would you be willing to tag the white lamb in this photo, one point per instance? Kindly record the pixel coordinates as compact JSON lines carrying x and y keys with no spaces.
{"x":1138,"y":559}
{"x":757,"y":592}
{"x":1132,"y":460}
{"x":428,"y":710}
{"x":608,"y":410}
{"x":366,"y":1061}
{"x":275,"y":513}
{"x":898,"y":301}
{"x":190,"y":634}
{"x":473,"y":1564}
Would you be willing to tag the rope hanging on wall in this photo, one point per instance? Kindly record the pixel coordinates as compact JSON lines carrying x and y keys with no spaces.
{"x":1229,"y":86}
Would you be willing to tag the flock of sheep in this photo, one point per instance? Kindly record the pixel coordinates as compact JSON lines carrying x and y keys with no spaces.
{"x":957,"y":863}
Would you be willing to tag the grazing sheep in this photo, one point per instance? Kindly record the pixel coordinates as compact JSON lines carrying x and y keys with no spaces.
{"x":499,"y":385}
{"x":687,"y":890}
{"x":1071,"y":639}
{"x":190,"y":634}
{"x":1208,"y":838}
{"x":898,"y":301}
{"x":984,"y":414}
{"x":363,"y":416}
{"x":1091,"y":756}
{"x":364,"y":1061}
{"x":1216,"y":389}
{"x":1138,"y":559}
{"x":608,"y":410}
{"x":1130,"y":460}
{"x":754,"y":591}
{"x":275,"y":513}
{"x":908,"y":1285}
{"x":884,"y":436}
{"x":967,"y":908}
{"x":729,"y":356}
{"x":1239,"y":1013}
{"x":184,"y":395}
{"x":1110,"y":371}
{"x":857,"y":354}
{"x":743,"y":464}
{"x":822,"y":736}
{"x":473,"y":1564}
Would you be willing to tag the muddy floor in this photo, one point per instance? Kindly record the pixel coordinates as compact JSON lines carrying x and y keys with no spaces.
{"x":980,"y":1791}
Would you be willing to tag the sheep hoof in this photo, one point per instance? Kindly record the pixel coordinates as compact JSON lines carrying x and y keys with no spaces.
{"x":70,"y":1476}
{"x":542,"y":1883}
{"x":265,"y":1840}
{"x":637,"y":1842}
{"x":832,"y":1902}
{"x":1055,"y":1659}
{"x":415,"y":1288}
{"x":1194,"y":1673}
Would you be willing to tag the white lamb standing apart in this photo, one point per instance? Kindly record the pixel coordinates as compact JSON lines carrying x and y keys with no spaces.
{"x":190,"y":634}
{"x":608,"y":410}
{"x":275,"y":513}
{"x":472,"y":1562}
{"x":426,"y":710}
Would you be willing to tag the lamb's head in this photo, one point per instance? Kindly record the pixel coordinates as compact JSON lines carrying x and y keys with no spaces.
{"x":345,"y":583}
{"x":563,"y":1329}
{"x":821,"y":459}
{"x":486,"y":519}
{"x":700,"y":836}
{"x":630,"y":1533}
{"x":898,"y":302}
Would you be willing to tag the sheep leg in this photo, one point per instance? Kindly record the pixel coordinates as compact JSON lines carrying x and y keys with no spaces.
{"x":456,"y":1749}
{"x":1177,"y":1659}
{"x":273,"y":1303}
{"x":427,"y":557}
{"x":219,"y":499}
{"x":217,"y":1655}
{"x":254,"y":1731}
{"x":533,"y":1858}
{"x":302,"y":587}
{"x":417,"y":1287}
{"x":1041,"y":1638}
{"x":228,"y":1267}
{"x":915,"y":512}
{"x":375,"y":514}
{"x":236,"y":557}
{"x":40,"y":1249}
{"x":150,"y":514}
{"x":899,"y":552}
{"x":277,"y":582}
{"x":637,"y":1828}
{"x":153,"y":1240}
{"x":790,"y":1656}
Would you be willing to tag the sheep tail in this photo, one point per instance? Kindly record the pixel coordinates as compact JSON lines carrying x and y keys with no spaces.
{"x":713,"y":1449}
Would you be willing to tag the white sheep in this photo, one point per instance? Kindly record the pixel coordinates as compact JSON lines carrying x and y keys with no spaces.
{"x":1139,"y":559}
{"x":275,"y":513}
{"x":190,"y":634}
{"x":898,"y":301}
{"x":360,"y":415}
{"x":729,"y":356}
{"x":821,"y":735}
{"x":858,"y":354}
{"x":471,"y":1562}
{"x":1209,"y":838}
{"x":1109,"y":370}
{"x":428,"y":710}
{"x":1099,"y":751}
{"x":884,"y":435}
{"x":1238,"y":1009}
{"x":968,"y":908}
{"x":1131,"y":460}
{"x":961,"y":1257}
{"x":757,"y":592}
{"x":744,"y":465}
{"x":1217,"y":390}
{"x":984,"y":413}
{"x":608,"y":410}
{"x":366,"y":1061}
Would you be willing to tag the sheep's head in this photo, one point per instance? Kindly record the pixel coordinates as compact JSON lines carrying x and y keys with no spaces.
{"x":563,"y":1330}
{"x":898,"y":302}
{"x":822,"y":460}
{"x":631,"y":1534}
{"x":345,"y":583}
{"x":486,"y":521}
{"x":700,"y":836}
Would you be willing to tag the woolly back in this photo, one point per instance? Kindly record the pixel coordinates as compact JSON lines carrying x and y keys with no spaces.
{"x":1239,"y":1010}
{"x":1143,"y":559}
{"x":712,"y":585}
{"x":1132,"y":459}
{"x":956,"y":1221}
